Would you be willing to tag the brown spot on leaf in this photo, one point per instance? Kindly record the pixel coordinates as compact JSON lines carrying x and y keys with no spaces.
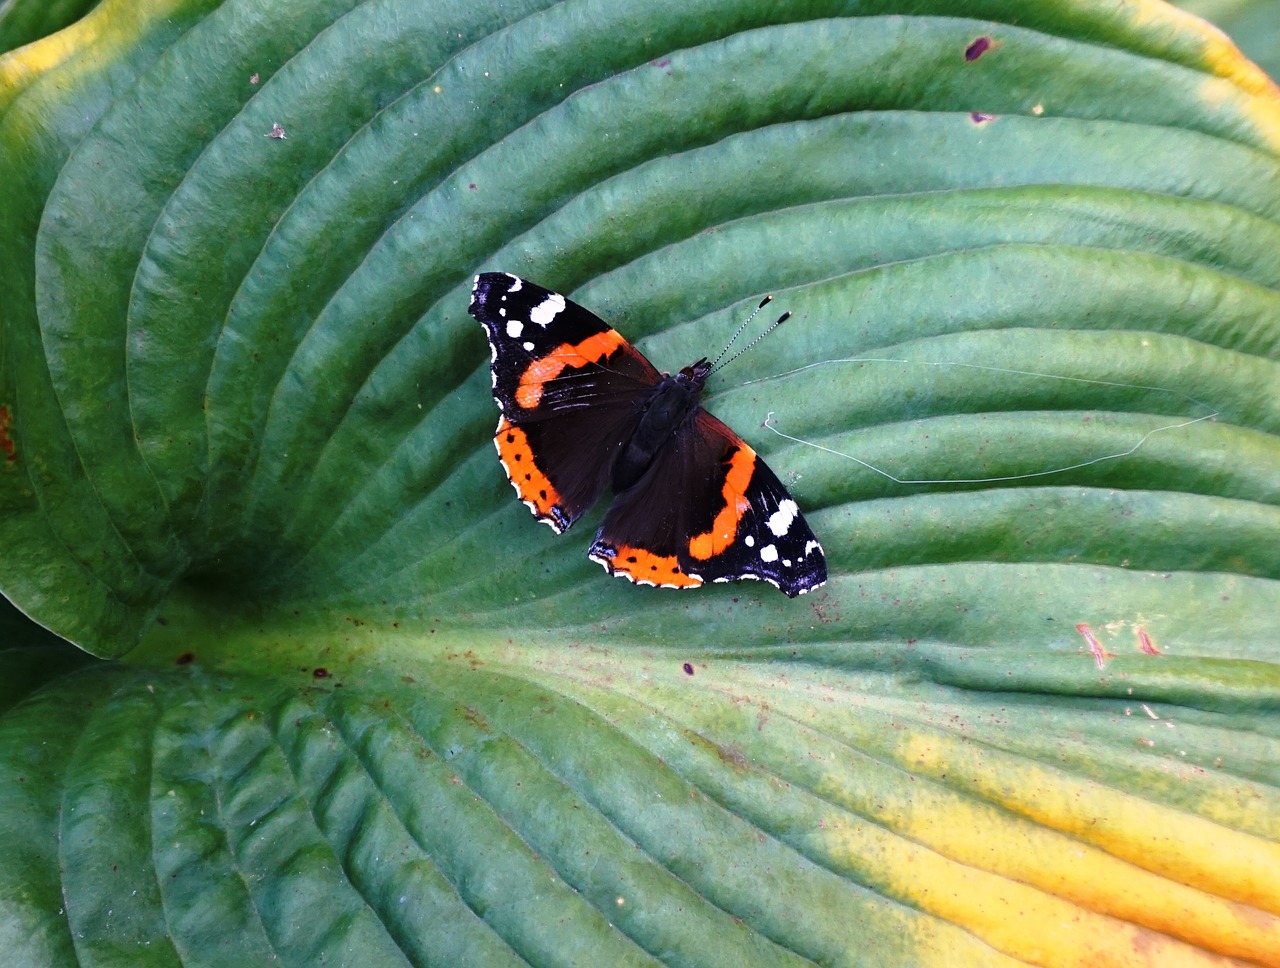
{"x":977,"y":47}
{"x":6,"y":441}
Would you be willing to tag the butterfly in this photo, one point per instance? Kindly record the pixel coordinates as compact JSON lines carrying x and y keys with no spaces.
{"x":582,"y":411}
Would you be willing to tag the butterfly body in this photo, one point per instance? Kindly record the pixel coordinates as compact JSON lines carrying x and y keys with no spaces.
{"x":672,"y":404}
{"x":583,"y":411}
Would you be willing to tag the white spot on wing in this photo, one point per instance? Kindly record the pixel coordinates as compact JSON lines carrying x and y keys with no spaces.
{"x":514,"y":328}
{"x":749,"y":541}
{"x":811,"y":546}
{"x":780,"y":520}
{"x":769,"y":553}
{"x":516,"y":283}
{"x":547,"y":310}
{"x":528,"y":347}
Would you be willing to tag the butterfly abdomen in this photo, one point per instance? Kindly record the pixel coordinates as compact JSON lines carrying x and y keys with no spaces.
{"x":672,"y":403}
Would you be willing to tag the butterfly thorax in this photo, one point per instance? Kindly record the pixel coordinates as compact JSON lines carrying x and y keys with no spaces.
{"x":670,"y":404}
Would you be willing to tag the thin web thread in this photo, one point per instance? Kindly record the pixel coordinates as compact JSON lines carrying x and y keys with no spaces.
{"x":769,"y":420}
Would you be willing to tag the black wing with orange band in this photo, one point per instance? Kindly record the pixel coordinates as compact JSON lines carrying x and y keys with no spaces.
{"x":709,"y":509}
{"x":569,"y":387}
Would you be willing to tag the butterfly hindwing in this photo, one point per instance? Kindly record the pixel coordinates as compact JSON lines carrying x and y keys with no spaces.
{"x":569,"y":387}
{"x":709,"y":509}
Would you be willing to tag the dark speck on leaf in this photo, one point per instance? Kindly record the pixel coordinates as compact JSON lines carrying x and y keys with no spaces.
{"x":977,"y":48}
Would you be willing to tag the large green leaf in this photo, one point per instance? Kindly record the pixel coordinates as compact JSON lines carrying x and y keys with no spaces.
{"x":1253,"y":24}
{"x":361,"y":709}
{"x":23,"y":21}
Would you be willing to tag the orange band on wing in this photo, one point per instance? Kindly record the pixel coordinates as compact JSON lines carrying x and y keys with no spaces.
{"x":530,"y":483}
{"x":646,"y":568}
{"x":725,"y":527}
{"x":540,"y":371}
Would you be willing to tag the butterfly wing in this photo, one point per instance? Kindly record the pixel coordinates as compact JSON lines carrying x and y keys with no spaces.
{"x":570,"y":389}
{"x":709,"y":509}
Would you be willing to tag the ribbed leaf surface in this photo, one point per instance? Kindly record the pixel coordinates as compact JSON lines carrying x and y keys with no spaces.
{"x":370,"y":713}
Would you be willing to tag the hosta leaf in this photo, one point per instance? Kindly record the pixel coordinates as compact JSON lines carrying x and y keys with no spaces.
{"x":24,"y":21}
{"x":369,"y":713}
{"x":1253,"y":24}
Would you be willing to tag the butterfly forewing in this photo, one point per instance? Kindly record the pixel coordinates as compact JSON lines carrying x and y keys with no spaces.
{"x":549,"y":354}
{"x":569,"y":388}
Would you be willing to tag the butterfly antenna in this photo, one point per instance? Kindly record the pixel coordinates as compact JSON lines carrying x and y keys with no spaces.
{"x":732,"y":339}
{"x":776,"y":323}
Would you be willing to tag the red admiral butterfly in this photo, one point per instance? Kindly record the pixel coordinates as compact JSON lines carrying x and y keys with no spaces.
{"x":582,"y":409}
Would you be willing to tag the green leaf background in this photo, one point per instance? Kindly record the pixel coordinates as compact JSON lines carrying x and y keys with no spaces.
{"x":352,"y":706}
